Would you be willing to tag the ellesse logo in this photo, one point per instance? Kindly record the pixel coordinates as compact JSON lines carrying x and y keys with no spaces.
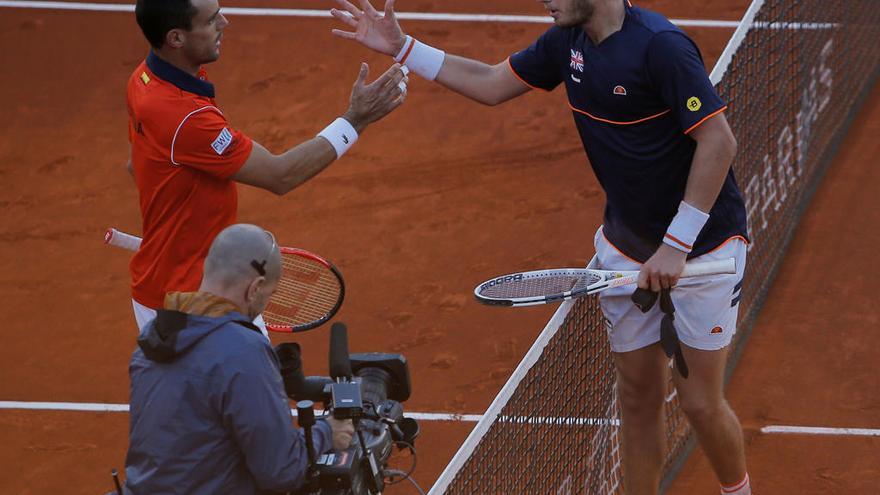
{"x":716,"y":330}
{"x":619,"y":90}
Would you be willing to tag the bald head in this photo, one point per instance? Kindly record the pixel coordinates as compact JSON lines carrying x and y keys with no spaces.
{"x":237,"y":256}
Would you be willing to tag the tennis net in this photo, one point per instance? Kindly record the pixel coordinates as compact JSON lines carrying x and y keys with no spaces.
{"x":793,"y":74}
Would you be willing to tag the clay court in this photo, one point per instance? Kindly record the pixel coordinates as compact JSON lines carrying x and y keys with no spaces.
{"x":438,"y":196}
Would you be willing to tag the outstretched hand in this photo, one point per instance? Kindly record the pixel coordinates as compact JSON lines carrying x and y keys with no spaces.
{"x":371,"y":102}
{"x":379,"y":31}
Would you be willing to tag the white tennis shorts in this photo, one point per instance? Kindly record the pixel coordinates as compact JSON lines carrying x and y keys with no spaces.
{"x":143,"y":315}
{"x":705,"y":307}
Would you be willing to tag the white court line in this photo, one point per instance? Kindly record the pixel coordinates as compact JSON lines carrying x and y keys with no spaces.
{"x":416,"y":16}
{"x":64,"y":406}
{"x":471,"y":418}
{"x":100,"y":407}
{"x":451,"y":417}
{"x":815,"y":430}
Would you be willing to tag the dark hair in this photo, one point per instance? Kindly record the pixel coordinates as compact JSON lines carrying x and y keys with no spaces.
{"x":157,"y":17}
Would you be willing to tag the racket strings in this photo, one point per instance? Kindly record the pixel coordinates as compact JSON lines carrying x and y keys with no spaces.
{"x":307,"y":291}
{"x":327,"y":287}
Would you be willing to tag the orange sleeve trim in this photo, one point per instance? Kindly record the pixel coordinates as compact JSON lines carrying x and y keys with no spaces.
{"x":510,"y":65}
{"x":679,"y":242}
{"x":607,"y":121}
{"x":412,"y":43}
{"x":618,"y":250}
{"x":707,"y":117}
{"x":739,"y":237}
{"x":728,"y":240}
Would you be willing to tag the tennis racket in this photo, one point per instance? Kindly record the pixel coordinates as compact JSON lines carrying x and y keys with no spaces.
{"x":547,"y":286}
{"x":310,"y":292}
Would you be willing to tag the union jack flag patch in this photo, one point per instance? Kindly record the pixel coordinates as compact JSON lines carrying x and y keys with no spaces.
{"x":577,"y":60}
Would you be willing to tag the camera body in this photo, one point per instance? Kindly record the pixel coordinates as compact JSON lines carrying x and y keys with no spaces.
{"x":369,"y":393}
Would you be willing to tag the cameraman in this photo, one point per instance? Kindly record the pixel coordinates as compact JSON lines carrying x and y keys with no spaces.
{"x":209,"y":414}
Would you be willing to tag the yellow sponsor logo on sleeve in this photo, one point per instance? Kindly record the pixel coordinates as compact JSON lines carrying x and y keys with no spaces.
{"x":694,"y":103}
{"x":145,"y":78}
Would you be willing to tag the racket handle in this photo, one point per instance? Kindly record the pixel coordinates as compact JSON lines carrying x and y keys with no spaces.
{"x":122,"y":240}
{"x":709,"y":268}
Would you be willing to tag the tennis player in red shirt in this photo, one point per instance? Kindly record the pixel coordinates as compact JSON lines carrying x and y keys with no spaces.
{"x":186,"y":157}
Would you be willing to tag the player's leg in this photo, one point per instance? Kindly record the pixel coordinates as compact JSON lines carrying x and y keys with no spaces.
{"x":702,"y":400}
{"x":642,"y":375}
{"x":705,"y":317}
{"x":641,"y":386}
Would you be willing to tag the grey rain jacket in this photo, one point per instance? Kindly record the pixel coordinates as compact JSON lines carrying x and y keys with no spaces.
{"x":209,"y":414}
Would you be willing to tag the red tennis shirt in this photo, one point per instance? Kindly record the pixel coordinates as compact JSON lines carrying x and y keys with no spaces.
{"x":183,"y":152}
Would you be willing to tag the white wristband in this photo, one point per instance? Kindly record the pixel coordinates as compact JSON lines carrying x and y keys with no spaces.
{"x":341,"y":136}
{"x":685,"y":227}
{"x":422,"y":59}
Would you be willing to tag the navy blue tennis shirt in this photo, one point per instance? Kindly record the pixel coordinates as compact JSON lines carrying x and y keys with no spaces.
{"x":635,"y":97}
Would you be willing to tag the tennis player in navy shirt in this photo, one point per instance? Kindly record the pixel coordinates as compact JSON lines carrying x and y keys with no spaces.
{"x":654,"y":130}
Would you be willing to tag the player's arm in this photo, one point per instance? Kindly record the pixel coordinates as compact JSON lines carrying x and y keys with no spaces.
{"x":369,"y":103}
{"x":481,"y":82}
{"x":281,"y":173}
{"x":675,"y":64}
{"x":485,"y":83}
{"x":716,"y":147}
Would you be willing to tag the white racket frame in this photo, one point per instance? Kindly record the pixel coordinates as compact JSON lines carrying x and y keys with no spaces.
{"x":608,"y":280}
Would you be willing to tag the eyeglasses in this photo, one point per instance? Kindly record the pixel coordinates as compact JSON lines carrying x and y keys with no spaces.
{"x":260,"y":266}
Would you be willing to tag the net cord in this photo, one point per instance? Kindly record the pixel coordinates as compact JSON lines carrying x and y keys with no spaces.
{"x":735,"y":41}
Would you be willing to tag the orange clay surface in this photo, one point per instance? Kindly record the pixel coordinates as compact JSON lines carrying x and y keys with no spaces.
{"x":436,"y":197}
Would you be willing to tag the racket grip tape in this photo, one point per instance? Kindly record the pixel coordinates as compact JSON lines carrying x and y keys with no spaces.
{"x":122,"y":240}
{"x":709,"y":268}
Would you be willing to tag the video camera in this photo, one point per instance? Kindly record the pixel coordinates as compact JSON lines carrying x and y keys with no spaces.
{"x":368,"y":389}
